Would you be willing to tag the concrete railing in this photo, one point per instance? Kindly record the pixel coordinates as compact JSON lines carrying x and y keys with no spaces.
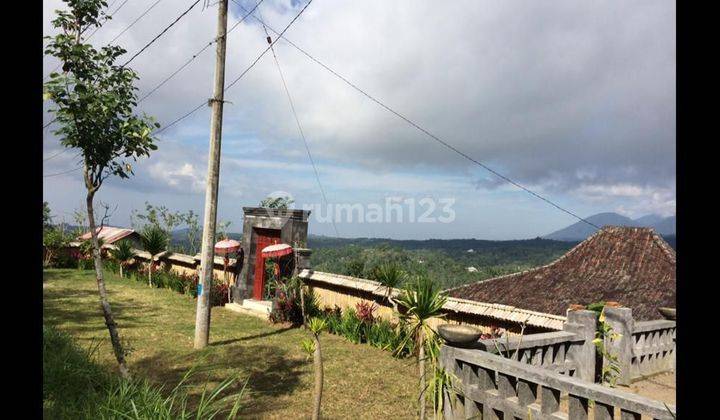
{"x":653,"y":348}
{"x":569,"y":352}
{"x":493,"y":387}
{"x":643,"y":348}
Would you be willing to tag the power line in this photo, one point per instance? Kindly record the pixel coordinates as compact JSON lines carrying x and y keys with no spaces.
{"x":63,"y":173}
{"x":161,"y":33}
{"x":239,"y":77}
{"x":134,"y":21}
{"x":300,"y":130}
{"x":423,"y":130}
{"x":106,"y":19}
{"x":194,"y":56}
{"x":56,"y":154}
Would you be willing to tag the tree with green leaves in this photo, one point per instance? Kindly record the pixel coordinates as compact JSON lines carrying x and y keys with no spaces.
{"x":47,"y":218}
{"x":54,"y":240}
{"x":154,"y":241}
{"x":312,"y":347}
{"x":221,"y":231}
{"x":122,"y":253}
{"x":421,"y":300}
{"x":93,"y":105}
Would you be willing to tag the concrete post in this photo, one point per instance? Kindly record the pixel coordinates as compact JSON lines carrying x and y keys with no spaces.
{"x":582,"y":323}
{"x":622,"y":323}
{"x":303,"y":259}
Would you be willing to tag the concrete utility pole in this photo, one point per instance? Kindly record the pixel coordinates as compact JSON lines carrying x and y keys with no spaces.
{"x":202,"y":316}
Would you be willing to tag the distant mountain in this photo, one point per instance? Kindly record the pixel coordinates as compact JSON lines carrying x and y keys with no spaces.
{"x":665,"y":226}
{"x":649,"y":220}
{"x":579,"y":231}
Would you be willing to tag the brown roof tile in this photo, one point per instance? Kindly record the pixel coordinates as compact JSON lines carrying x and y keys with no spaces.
{"x":632,"y":266}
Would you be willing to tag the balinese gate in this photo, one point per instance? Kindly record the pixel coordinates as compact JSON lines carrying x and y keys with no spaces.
{"x":265,"y":237}
{"x":263,"y":227}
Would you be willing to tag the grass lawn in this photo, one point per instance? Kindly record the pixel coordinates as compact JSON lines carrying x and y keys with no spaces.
{"x":157,"y":325}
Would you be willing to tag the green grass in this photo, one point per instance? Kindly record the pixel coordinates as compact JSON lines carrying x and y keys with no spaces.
{"x":157,"y":325}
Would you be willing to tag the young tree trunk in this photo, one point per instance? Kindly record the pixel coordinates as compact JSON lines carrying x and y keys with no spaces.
{"x":302,"y":304}
{"x":107,"y":311}
{"x":121,"y":271}
{"x":317,"y":359}
{"x":421,"y":370}
{"x":150,"y":268}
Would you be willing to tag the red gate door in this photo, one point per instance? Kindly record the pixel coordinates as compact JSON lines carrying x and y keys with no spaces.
{"x":265,"y":237}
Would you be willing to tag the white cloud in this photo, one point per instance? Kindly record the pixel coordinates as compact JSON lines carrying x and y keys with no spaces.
{"x":575,"y":99}
{"x":182,"y":178}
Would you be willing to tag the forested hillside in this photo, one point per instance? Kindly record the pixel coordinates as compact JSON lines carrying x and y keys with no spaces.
{"x":447,"y":261}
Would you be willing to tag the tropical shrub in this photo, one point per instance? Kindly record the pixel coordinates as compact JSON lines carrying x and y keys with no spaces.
{"x":378,"y":333}
{"x":421,"y":300}
{"x":54,"y":240}
{"x":154,"y":241}
{"x":122,"y":254}
{"x":285,"y":294}
{"x":364,"y":311}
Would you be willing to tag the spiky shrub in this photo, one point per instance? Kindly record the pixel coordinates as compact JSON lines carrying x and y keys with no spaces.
{"x":351,"y":327}
{"x":391,"y":276}
{"x":154,"y":241}
{"x":421,"y":300}
{"x":122,"y":253}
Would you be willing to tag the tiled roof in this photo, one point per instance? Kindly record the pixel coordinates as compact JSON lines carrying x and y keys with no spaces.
{"x":633,"y":266}
{"x":108,"y":234}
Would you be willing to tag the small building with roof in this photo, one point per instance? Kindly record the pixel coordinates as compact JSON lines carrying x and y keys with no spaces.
{"x":111,"y":235}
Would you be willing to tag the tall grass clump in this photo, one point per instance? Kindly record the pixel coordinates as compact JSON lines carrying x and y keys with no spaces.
{"x":76,"y":387}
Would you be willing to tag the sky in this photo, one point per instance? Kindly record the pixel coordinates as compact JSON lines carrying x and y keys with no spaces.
{"x":573,"y":100}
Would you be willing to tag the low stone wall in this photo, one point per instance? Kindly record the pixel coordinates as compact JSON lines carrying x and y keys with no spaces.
{"x":179,"y":263}
{"x":346,"y":292}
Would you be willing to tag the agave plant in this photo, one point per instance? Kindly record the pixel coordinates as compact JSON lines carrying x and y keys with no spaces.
{"x":122,"y":253}
{"x":421,"y":300}
{"x":154,"y":241}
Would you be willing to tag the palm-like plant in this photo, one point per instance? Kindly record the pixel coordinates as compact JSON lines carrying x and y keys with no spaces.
{"x":391,"y":276}
{"x":122,"y":253}
{"x":154,"y":241}
{"x":421,"y":300}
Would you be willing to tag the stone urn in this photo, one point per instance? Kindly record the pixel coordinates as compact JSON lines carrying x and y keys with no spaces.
{"x":459,"y":334}
{"x":667,"y":313}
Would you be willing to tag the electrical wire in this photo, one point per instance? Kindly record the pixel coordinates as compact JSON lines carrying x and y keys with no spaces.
{"x":239,"y":77}
{"x":300,"y":130}
{"x":422,"y":129}
{"x":194,"y":56}
{"x":161,"y":33}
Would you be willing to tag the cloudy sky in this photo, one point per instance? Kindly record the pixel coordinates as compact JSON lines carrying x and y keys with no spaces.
{"x":575,"y":100}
